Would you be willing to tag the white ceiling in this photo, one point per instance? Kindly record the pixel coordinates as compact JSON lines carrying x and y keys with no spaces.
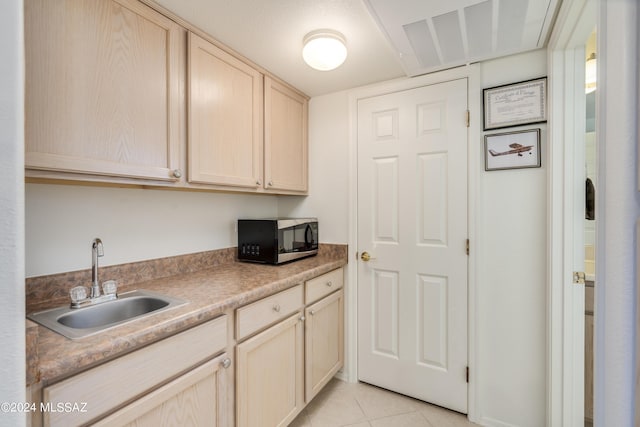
{"x":270,"y":33}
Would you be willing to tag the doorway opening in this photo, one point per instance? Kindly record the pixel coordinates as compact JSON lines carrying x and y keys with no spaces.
{"x":591,"y":184}
{"x":572,"y":235}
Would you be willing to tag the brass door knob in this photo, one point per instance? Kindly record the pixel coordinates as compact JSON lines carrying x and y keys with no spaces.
{"x":366,"y":257}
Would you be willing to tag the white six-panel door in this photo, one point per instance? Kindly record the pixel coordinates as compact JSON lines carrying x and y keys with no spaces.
{"x":412,"y":222}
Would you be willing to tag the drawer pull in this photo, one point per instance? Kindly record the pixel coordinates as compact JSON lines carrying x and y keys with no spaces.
{"x":329,"y":283}
{"x":276,"y":308}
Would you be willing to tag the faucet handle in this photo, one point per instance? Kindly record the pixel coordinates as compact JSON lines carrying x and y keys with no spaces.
{"x":110,"y":287}
{"x":78,"y":293}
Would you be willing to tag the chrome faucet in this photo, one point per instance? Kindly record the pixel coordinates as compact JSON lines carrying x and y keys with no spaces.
{"x":96,"y":252}
{"x":78,"y":294}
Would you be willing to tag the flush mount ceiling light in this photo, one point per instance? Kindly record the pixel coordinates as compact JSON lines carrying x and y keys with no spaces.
{"x":324,"y":50}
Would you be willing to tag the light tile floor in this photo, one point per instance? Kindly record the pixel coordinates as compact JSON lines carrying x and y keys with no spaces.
{"x":362,"y":405}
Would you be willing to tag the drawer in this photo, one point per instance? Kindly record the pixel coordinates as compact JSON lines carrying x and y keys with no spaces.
{"x":113,"y":383}
{"x":323,"y":285}
{"x":260,"y":314}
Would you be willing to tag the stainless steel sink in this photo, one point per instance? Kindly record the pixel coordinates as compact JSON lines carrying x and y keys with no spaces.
{"x":82,"y":322}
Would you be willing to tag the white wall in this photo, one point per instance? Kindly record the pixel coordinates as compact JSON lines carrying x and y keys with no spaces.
{"x":328,"y":198}
{"x":511,"y":217}
{"x":134,"y":224}
{"x":12,"y":323}
{"x":511,"y":314}
{"x":618,"y":207}
{"x":511,"y":287}
{"x":329,"y":169}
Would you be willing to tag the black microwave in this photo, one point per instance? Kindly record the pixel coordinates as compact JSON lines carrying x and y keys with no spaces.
{"x":278,"y":240}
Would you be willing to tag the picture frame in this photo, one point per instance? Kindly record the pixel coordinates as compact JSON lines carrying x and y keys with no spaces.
{"x":515,"y":104}
{"x":512,"y":150}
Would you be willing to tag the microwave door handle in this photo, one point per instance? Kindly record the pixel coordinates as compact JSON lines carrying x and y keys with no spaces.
{"x":308,"y":236}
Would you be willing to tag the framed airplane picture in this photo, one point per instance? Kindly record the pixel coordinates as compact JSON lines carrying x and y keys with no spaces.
{"x":512,"y":150}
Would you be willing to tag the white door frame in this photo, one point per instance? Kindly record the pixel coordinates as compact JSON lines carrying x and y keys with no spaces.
{"x":617,"y":209}
{"x":472,"y":74}
{"x":565,"y":331}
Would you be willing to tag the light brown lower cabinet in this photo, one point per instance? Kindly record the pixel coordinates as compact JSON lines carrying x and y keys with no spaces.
{"x":324,"y":342}
{"x":197,"y":398}
{"x":294,"y":348}
{"x":175,"y":378}
{"x":279,"y":370}
{"x":269,"y":379}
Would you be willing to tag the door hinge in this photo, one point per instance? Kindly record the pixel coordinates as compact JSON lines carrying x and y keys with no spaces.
{"x":467,"y":374}
{"x":467,"y":246}
{"x":579,"y":277}
{"x":467,"y":117}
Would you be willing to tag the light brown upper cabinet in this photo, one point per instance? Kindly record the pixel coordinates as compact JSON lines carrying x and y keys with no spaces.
{"x":118,"y":92}
{"x":224,"y":118}
{"x":285,"y":130}
{"x":103,"y":89}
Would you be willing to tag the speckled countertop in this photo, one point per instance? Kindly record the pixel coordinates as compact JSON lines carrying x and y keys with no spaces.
{"x":209,"y":292}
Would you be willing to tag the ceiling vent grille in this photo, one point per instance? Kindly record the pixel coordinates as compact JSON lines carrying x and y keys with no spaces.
{"x":434,"y":35}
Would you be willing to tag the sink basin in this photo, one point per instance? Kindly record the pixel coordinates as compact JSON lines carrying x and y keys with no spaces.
{"x":82,"y":322}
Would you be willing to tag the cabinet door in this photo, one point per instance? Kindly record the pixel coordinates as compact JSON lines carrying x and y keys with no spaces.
{"x":269,"y":386}
{"x":197,"y":398}
{"x":285,"y":130}
{"x":225,"y":118}
{"x":324,"y":342}
{"x":102,"y":88}
{"x":121,"y":380}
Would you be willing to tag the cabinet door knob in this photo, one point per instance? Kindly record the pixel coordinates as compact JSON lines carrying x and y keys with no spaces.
{"x":226,"y":363}
{"x":177,"y":173}
{"x":302,"y":318}
{"x":270,"y":183}
{"x":258,"y":182}
{"x":329,"y":283}
{"x":276,"y":308}
{"x":311,"y":312}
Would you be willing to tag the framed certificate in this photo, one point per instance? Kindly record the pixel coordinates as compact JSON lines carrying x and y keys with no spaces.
{"x":515,"y":104}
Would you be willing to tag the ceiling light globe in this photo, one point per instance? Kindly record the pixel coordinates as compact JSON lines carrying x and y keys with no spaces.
{"x":324,"y":50}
